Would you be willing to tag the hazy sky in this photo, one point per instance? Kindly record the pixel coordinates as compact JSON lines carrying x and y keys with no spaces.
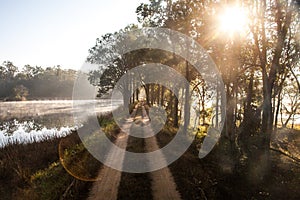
{"x":58,"y":32}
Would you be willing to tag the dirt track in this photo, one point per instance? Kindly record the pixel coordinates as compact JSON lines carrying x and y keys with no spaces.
{"x":163,"y":185}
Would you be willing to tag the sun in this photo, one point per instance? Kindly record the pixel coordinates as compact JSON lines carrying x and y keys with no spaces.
{"x":233,"y":20}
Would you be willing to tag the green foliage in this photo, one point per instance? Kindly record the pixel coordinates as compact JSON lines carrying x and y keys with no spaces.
{"x":51,"y":182}
{"x":108,"y":125}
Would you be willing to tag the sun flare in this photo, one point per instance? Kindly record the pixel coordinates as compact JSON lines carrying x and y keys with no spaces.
{"x":233,"y":20}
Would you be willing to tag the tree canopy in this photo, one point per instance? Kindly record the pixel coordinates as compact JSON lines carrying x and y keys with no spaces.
{"x":258,"y":59}
{"x":35,"y":82}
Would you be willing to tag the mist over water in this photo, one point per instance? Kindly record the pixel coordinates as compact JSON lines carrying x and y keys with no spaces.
{"x":33,"y":121}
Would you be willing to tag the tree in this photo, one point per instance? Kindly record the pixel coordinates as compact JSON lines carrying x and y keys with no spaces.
{"x":272,"y":19}
{"x":291,"y":106}
{"x":8,"y":70}
{"x":20,"y":93}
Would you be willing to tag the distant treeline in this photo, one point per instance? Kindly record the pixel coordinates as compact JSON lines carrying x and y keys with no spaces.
{"x":35,"y":82}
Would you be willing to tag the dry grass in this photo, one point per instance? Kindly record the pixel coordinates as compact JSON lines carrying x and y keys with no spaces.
{"x":210,"y":178}
{"x":35,"y":171}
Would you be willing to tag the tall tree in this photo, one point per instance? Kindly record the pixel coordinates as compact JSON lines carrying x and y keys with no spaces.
{"x":271,"y":25}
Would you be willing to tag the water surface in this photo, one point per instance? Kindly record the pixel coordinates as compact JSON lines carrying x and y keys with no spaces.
{"x":29,"y":121}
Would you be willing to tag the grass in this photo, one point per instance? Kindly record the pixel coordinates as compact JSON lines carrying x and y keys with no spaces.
{"x":49,"y":183}
{"x":77,"y":160}
{"x":191,"y":179}
{"x":216,"y":176}
{"x":19,"y":161}
{"x":35,"y":172}
{"x":52,"y":169}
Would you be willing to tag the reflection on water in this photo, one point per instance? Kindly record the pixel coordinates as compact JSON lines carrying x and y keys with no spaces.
{"x":10,"y":127}
{"x":30,"y":121}
{"x":28,"y":132}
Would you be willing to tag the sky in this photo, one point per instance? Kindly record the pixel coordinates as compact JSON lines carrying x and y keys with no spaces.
{"x":58,"y":32}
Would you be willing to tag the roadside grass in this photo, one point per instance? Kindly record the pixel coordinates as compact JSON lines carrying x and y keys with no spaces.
{"x":52,"y":169}
{"x":192,"y":181}
{"x":43,"y":179}
{"x":19,"y":161}
{"x":213,"y":178}
{"x":52,"y":183}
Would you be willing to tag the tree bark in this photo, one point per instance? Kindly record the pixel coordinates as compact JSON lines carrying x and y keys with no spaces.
{"x":176,"y":104}
{"x":162,"y":95}
{"x":187,"y":99}
{"x":147,"y":94}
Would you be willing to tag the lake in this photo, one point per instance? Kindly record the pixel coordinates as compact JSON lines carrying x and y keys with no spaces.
{"x":29,"y":121}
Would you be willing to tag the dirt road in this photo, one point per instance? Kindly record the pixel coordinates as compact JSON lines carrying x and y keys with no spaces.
{"x":163,"y":185}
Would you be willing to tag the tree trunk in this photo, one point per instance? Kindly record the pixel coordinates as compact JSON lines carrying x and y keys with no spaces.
{"x":162,"y":95}
{"x":158,"y":94}
{"x":147,"y":94}
{"x":187,"y":99}
{"x":217,"y":109}
{"x":151,"y":92}
{"x":267,"y":119}
{"x":176,"y":104}
{"x":277,"y":109}
{"x":137,"y":94}
{"x":203,"y":104}
{"x":229,"y":114}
